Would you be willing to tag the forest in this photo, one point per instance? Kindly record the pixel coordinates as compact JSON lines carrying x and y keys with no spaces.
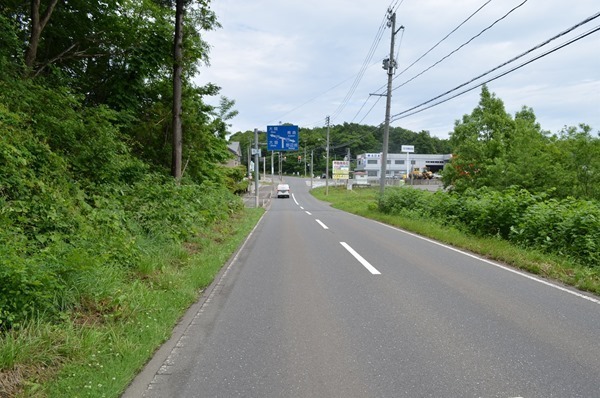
{"x":345,"y":137}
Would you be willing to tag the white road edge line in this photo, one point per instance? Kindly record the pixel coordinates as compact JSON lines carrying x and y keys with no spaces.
{"x":301,"y":208}
{"x":308,"y":212}
{"x":514,"y":271}
{"x":294,"y":197}
{"x":360,"y":259}
{"x":321,"y":224}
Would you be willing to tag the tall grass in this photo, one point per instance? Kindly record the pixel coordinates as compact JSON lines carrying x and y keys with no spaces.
{"x":96,"y":349}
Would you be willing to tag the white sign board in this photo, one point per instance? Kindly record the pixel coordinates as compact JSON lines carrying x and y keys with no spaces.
{"x":408,"y":148}
{"x":341,"y":169}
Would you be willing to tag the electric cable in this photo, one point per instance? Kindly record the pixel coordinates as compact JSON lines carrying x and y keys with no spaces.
{"x":461,"y":46}
{"x":439,"y":42}
{"x":367,"y":114}
{"x":444,"y":38}
{"x":414,"y":110}
{"x":362,"y":71}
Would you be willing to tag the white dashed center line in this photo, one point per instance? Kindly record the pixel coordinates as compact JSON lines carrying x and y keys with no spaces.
{"x":321,"y":224}
{"x":360,"y":259}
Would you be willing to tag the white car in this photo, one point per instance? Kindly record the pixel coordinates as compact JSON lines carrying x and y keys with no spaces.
{"x":283,"y":191}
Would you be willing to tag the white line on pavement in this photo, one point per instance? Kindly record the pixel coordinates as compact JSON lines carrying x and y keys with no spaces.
{"x":294,"y":197}
{"x":308,"y":212}
{"x":514,"y":271}
{"x":360,"y":259}
{"x":323,"y":225}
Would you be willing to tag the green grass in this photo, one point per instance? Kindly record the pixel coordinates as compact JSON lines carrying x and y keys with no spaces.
{"x":97,"y":350}
{"x":363,"y":202}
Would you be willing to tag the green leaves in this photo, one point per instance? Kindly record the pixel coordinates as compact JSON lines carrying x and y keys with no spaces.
{"x":567,"y":227}
{"x":494,"y":150}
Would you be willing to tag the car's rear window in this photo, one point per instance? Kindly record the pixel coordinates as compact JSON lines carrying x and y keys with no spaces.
{"x":283,"y":187}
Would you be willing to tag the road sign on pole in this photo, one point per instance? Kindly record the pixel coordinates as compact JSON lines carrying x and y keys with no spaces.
{"x":341,"y":169}
{"x":282,"y":138}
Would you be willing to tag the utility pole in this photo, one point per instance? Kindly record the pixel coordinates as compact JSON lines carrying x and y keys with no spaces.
{"x":327,"y":161}
{"x":312,"y":152}
{"x":304,"y":160}
{"x":389,"y":64}
{"x":256,"y":191}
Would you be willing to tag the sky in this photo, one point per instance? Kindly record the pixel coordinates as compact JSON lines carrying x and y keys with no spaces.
{"x":299,"y":61}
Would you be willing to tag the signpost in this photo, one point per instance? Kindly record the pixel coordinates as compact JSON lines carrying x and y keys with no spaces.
{"x":341,"y":169}
{"x":408,"y":149}
{"x":282,"y":138}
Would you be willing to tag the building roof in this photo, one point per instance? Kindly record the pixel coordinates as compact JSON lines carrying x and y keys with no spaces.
{"x":235,"y":148}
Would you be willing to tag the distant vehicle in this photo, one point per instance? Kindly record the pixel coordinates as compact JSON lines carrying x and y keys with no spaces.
{"x":283,"y":191}
{"x":323,"y":176}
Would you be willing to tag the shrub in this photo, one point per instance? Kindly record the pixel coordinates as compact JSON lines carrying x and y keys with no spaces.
{"x":569,"y":227}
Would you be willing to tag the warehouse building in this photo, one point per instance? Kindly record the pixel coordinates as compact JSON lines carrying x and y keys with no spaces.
{"x":370,"y":163}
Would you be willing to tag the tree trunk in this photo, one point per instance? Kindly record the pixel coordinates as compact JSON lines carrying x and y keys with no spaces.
{"x":38,"y":23}
{"x":177,"y":83}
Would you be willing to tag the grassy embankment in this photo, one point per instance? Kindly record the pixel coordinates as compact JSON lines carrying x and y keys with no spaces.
{"x":97,"y":353}
{"x":363,"y":202}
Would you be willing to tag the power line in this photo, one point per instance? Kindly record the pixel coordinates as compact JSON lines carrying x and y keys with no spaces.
{"x":362,"y":70}
{"x":461,"y":46}
{"x":443,"y":39}
{"x":366,"y":100}
{"x":415,"y":109}
{"x":439,"y":42}
{"x":367,"y":114}
{"x":357,"y":78}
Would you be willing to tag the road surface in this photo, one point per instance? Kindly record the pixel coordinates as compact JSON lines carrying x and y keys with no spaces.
{"x":320,"y":303}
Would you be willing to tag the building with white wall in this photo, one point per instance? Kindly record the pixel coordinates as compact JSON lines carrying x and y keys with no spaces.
{"x":370,"y":163}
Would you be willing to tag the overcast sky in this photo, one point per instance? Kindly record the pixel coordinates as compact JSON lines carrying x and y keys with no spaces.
{"x":296,"y":61}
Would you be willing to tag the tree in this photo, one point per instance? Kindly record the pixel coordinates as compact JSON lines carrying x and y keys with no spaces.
{"x":479,"y":141}
{"x":579,"y":161}
{"x":38,"y":23}
{"x":177,"y":83}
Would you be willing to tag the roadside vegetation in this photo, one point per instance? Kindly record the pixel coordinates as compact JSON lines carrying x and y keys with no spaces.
{"x":101,"y":250}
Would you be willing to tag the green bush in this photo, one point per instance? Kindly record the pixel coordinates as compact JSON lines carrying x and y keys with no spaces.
{"x":487,"y":212}
{"x":569,"y":227}
{"x":76,"y":208}
{"x":405,"y":201}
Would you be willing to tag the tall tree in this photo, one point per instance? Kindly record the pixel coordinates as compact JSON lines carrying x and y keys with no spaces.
{"x":38,"y":23}
{"x":177,"y":89}
{"x":478,"y":141}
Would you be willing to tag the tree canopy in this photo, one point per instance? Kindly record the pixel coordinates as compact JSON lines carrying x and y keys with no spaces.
{"x":118,"y":55}
{"x":343,"y":137}
{"x":494,"y":149}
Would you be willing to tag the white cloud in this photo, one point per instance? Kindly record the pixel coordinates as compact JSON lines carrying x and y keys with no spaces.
{"x":295,"y":61}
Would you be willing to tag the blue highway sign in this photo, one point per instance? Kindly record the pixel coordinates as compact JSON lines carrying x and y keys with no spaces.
{"x":282,"y":138}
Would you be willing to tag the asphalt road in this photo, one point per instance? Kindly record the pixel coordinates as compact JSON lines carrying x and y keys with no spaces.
{"x":320,"y":303}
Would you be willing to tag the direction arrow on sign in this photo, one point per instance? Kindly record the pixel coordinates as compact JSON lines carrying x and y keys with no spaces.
{"x":282,"y":138}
